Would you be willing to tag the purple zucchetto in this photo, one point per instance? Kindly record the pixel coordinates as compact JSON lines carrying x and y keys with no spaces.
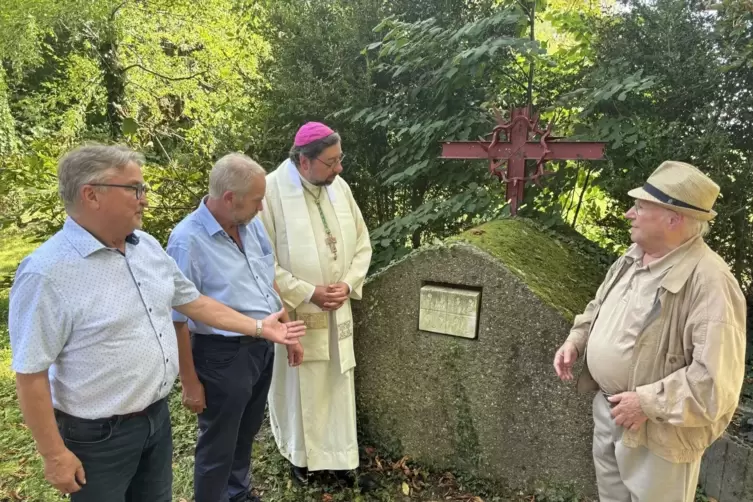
{"x":310,"y":132}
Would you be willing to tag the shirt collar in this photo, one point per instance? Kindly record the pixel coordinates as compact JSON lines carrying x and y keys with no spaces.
{"x":677,"y":264}
{"x":84,"y":241}
{"x":207,"y":219}
{"x":670,"y":259}
{"x":296,"y":179}
{"x":684,"y":263}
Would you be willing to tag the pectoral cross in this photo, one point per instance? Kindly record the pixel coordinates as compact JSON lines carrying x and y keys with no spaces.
{"x":330,"y":241}
{"x":332,"y":244}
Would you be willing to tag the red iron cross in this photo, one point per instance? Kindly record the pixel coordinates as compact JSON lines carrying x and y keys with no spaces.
{"x":520,"y":130}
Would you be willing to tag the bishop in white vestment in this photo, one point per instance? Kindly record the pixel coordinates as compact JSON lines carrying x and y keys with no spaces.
{"x":323,"y":253}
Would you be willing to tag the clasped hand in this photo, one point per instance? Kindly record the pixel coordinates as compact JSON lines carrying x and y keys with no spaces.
{"x":331,"y":297}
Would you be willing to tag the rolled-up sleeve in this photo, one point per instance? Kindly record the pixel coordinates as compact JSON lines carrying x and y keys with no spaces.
{"x":38,"y":321}
{"x":185,"y":276}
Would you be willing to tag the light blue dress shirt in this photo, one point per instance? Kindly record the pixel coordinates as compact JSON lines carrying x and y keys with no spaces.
{"x":99,"y":320}
{"x":242,"y":280}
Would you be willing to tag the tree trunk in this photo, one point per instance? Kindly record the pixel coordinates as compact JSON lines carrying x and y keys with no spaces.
{"x":112,"y":71}
{"x":416,"y":200}
{"x":740,"y":247}
{"x":114,"y":81}
{"x":582,"y":194}
{"x":575,"y":188}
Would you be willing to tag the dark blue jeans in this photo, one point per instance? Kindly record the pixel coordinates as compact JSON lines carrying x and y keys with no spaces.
{"x":236,"y":374}
{"x":126,"y":459}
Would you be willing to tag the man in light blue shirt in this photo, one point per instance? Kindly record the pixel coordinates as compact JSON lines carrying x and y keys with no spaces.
{"x":94,"y":348}
{"x":224,"y":250}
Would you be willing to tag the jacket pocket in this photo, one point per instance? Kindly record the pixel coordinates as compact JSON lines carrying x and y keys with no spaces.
{"x":679,"y":439}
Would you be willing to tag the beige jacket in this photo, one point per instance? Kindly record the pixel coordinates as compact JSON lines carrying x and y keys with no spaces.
{"x":689,"y":359}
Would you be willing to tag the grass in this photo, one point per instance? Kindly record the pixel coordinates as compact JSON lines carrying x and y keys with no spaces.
{"x":21,"y":469}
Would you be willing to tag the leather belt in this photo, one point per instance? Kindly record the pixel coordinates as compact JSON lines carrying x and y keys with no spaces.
{"x":243,"y":340}
{"x":125,"y":416}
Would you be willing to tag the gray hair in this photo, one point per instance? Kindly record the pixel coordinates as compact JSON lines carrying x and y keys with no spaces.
{"x":697,"y":227}
{"x":90,"y":164}
{"x":313,"y":149}
{"x":233,"y":173}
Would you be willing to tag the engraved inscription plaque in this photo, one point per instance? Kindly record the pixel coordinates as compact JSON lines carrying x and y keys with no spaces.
{"x":449,"y":311}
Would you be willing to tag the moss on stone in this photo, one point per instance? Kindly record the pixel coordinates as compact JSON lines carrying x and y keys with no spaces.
{"x":558,"y":270}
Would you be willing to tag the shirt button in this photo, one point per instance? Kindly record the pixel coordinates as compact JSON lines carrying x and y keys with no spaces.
{"x":160,"y":335}
{"x":167,"y":360}
{"x":138,"y":283}
{"x":150,"y":309}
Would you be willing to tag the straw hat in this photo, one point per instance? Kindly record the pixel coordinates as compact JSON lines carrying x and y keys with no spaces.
{"x":682,"y":188}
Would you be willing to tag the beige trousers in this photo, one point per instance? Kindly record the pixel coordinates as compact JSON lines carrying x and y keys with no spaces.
{"x":635,"y":474}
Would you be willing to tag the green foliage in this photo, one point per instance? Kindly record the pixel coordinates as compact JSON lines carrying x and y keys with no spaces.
{"x":434,"y":83}
{"x":173,"y":81}
{"x":652,"y":99}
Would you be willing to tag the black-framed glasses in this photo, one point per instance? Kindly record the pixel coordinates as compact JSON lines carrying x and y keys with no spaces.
{"x":333,"y":163}
{"x":141,"y":189}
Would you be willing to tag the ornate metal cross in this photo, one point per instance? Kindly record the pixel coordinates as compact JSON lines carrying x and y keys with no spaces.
{"x":520,"y":146}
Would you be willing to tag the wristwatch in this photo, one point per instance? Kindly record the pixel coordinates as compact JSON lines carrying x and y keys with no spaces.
{"x":258,"y":328}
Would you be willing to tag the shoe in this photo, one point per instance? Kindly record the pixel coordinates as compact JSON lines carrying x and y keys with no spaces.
{"x":245,"y":497}
{"x":365,"y":482}
{"x":300,"y":475}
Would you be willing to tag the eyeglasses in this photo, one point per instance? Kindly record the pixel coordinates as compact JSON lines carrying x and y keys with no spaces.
{"x":333,"y":163}
{"x":140,"y":189}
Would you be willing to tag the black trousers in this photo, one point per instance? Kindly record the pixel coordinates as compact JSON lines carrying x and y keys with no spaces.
{"x":236,"y":373}
{"x":125,"y":458}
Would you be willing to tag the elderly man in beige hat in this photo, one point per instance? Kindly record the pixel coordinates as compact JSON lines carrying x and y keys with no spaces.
{"x":663,"y":343}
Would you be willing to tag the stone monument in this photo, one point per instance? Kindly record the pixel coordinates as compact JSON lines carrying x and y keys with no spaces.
{"x":455,"y":344}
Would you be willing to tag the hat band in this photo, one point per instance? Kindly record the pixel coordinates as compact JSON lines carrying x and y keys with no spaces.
{"x":666,"y":199}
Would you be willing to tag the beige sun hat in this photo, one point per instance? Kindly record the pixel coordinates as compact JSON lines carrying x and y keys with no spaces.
{"x":680,"y":187}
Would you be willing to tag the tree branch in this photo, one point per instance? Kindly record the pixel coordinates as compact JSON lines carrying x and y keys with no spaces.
{"x":523,"y":85}
{"x":532,"y":62}
{"x":115,"y":11}
{"x":164,"y":77}
{"x":520,"y":67}
{"x":524,"y":7}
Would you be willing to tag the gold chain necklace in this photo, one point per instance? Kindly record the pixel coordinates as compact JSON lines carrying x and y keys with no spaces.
{"x":330,"y":241}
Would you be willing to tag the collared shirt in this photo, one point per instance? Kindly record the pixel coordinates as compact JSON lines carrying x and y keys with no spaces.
{"x":621,"y":318}
{"x":241,"y":279}
{"x":99,"y":320}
